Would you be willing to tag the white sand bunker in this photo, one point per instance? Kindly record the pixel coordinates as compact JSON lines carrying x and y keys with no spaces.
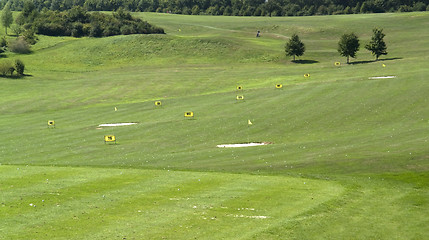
{"x":382,"y":77}
{"x":255,"y":217}
{"x":242,"y":145}
{"x":115,"y":124}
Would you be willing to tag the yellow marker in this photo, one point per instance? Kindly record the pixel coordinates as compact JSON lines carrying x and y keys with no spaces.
{"x":116,"y":109}
{"x":51,"y":123}
{"x":189,"y":114}
{"x":109,"y":138}
{"x":249,"y":122}
{"x":279,"y":85}
{"x":337,"y":64}
{"x":239,"y":88}
{"x":384,"y":65}
{"x":307,"y":75}
{"x":241,"y":97}
{"x":158,"y":103}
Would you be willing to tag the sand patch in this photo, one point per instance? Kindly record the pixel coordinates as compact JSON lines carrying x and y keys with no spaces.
{"x":255,"y":217}
{"x":253,"y":144}
{"x":384,"y":77}
{"x":115,"y":124}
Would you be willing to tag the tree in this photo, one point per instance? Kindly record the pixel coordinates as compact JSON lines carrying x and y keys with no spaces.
{"x":19,"y":67}
{"x":294,"y":47}
{"x":348,"y":45}
{"x":6,"y":17}
{"x":377,"y":46}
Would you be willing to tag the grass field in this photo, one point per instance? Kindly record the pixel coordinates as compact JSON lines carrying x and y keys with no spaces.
{"x":349,"y":159}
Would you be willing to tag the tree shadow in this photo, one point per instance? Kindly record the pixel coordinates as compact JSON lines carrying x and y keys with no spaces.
{"x":305,"y":61}
{"x":361,"y":62}
{"x":16,"y":76}
{"x":372,"y":61}
{"x":11,"y":77}
{"x":389,"y":59}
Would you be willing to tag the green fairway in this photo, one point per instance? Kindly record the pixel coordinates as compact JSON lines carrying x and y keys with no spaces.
{"x":114,"y":203}
{"x":349,"y":153}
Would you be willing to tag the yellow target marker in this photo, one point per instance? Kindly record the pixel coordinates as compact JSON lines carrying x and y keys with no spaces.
{"x":337,"y":64}
{"x":116,"y":109}
{"x":189,"y":114}
{"x":249,"y":122}
{"x":240,"y":97}
{"x":307,"y":75}
{"x":109,"y":138}
{"x":384,"y":65}
{"x":158,"y":103}
{"x":51,"y":123}
{"x":239,"y":88}
{"x":279,"y":85}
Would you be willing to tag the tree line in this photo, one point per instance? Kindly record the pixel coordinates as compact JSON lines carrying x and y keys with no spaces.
{"x":233,"y":7}
{"x":76,"y":22}
{"x":348,"y":45}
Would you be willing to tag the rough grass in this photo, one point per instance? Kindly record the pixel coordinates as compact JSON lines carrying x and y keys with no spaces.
{"x":360,"y":145}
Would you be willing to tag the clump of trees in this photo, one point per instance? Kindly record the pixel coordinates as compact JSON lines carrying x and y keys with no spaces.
{"x":233,"y":7}
{"x":77,"y":22}
{"x":348,"y":45}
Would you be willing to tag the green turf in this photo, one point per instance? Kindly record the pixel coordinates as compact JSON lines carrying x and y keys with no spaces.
{"x":360,"y":145}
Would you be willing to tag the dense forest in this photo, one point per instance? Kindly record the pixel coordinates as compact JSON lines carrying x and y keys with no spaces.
{"x":233,"y":7}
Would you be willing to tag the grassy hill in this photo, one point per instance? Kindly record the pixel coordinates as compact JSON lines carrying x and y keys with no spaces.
{"x":349,"y":158}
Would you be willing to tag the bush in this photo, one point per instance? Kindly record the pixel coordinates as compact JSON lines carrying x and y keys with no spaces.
{"x":95,"y":30}
{"x":127,"y":29}
{"x":77,"y":30}
{"x":19,"y":67}
{"x":419,"y":6}
{"x":405,"y":8}
{"x":6,"y":68}
{"x":19,"y":46}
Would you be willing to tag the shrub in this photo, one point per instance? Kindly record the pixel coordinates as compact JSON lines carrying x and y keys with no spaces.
{"x":77,"y":30}
{"x":95,"y":30}
{"x":6,"y":68}
{"x":19,"y":67}
{"x":127,"y":29}
{"x":19,"y":46}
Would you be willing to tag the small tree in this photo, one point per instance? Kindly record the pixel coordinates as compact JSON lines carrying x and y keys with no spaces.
{"x":6,"y":17}
{"x":348,"y":45}
{"x":19,"y":67}
{"x":294,"y":47}
{"x":377,"y":46}
{"x":29,"y":36}
{"x":17,"y":29}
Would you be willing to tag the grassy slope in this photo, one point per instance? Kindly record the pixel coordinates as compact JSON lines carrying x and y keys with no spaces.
{"x":369,"y":136}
